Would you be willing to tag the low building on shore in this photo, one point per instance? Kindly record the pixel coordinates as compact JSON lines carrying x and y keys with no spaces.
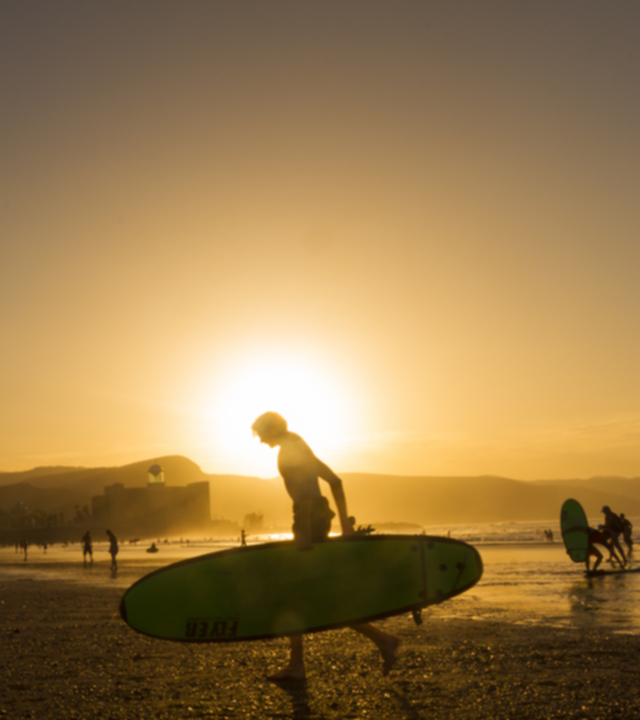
{"x":155,"y":510}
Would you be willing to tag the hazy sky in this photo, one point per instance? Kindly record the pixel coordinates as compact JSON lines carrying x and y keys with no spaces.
{"x":411,"y":227}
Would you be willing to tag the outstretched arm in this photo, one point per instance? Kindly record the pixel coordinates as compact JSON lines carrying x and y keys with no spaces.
{"x":326,"y":473}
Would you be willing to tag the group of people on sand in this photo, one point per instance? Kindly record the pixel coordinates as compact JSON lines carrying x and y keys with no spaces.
{"x":87,"y":548}
{"x":301,"y":471}
{"x":608,"y":535}
{"x":24,"y":546}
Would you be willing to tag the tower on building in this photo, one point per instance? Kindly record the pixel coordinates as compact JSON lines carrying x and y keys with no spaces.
{"x":155,"y":475}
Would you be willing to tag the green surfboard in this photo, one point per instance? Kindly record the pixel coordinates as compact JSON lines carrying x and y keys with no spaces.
{"x":274,"y":589}
{"x":573,"y":523}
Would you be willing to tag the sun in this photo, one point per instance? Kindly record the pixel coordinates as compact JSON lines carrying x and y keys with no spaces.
{"x":313,"y":398}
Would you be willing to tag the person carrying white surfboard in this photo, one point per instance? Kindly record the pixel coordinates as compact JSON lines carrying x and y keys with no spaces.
{"x":300,"y":470}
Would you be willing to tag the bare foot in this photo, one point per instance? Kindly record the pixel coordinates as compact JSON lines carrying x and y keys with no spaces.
{"x":388,"y":652}
{"x":288,"y":673}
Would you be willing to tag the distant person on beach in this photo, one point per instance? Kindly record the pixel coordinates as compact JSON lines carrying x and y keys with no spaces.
{"x":613,"y":524}
{"x":300,"y":470}
{"x":24,"y":545}
{"x":113,"y":549}
{"x":627,"y":529}
{"x":87,"y":547}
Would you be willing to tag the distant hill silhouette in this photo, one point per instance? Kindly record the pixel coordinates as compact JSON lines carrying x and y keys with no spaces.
{"x":371,"y":498}
{"x":451,"y":500}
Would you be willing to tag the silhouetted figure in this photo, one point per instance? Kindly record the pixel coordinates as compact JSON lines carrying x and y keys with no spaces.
{"x":24,"y":545}
{"x":613,"y":524}
{"x":627,"y":529}
{"x":87,"y":547}
{"x":153,"y":548}
{"x":300,"y":470}
{"x":368,"y":530}
{"x":548,"y":535}
{"x":243,"y":538}
{"x":599,"y":537}
{"x":613,"y":558}
{"x":113,"y":549}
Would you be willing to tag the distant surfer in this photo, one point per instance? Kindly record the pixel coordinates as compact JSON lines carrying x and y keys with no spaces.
{"x":87,"y":547}
{"x":113,"y":549}
{"x":300,"y":470}
{"x":613,"y":524}
{"x":627,"y":529}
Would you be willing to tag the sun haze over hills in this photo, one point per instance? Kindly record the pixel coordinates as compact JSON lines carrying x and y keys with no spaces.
{"x":411,"y":228}
{"x":371,"y":498}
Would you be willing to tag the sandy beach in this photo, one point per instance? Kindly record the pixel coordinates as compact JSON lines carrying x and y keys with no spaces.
{"x":67,"y":654}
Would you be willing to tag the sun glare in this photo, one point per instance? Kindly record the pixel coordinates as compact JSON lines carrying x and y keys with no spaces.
{"x":314,"y":402}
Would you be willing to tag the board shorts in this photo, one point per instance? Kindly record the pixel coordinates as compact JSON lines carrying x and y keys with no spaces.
{"x":320,"y":519}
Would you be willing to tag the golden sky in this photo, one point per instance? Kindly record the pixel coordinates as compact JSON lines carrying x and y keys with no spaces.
{"x":410,"y":227}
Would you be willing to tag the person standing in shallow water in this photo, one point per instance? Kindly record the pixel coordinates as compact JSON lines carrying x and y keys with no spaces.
{"x":87,"y":547}
{"x":300,"y":470}
{"x":113,"y":549}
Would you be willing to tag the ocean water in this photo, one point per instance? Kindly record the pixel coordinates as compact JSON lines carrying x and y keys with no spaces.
{"x":526,"y":579}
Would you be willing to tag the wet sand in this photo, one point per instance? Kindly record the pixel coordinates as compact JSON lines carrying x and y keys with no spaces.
{"x":65,"y":653}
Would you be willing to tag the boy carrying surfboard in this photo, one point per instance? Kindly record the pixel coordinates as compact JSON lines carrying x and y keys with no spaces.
{"x":300,"y":469}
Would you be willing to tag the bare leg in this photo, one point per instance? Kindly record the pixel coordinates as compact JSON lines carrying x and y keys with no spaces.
{"x":295,"y":669}
{"x":386,"y":643}
{"x":616,"y":544}
{"x":598,"y":555}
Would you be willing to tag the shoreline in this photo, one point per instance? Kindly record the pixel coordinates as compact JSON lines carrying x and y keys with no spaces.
{"x":66,"y":653}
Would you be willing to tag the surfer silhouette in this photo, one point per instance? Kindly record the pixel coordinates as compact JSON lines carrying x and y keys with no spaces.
{"x":300,"y":470}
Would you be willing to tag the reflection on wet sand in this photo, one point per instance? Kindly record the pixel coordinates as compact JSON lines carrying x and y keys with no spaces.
{"x":522,"y":583}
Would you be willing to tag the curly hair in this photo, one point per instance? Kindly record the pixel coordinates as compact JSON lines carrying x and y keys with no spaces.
{"x":269,"y":424}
